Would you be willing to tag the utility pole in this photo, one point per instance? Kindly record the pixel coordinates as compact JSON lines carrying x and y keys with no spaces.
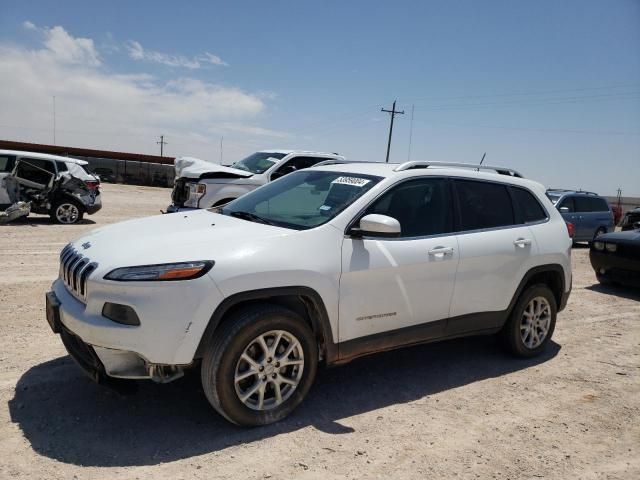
{"x":393,"y":113}
{"x":54,"y":119}
{"x":162,"y":143}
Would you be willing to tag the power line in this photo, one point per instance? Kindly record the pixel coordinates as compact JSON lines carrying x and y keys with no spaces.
{"x":393,"y":113}
{"x":162,"y":143}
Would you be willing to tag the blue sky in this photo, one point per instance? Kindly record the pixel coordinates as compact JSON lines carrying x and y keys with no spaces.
{"x":551,"y":88}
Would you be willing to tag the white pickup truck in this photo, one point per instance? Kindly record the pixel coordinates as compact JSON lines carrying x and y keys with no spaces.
{"x":202,"y":184}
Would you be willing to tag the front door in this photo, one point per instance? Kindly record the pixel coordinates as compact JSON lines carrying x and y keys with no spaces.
{"x":390,"y":284}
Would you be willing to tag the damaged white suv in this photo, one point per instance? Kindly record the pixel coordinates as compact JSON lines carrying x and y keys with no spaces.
{"x":202,"y":184}
{"x":324,"y":265}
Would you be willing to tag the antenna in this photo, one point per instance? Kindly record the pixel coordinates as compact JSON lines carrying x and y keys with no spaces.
{"x":410,"y":133}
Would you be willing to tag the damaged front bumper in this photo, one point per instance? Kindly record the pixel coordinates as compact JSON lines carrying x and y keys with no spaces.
{"x":103,"y":364}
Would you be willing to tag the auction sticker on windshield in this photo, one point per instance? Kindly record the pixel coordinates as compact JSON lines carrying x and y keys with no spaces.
{"x":353,"y":181}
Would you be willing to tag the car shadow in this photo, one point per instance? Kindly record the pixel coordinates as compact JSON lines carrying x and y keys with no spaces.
{"x":616,"y":290}
{"x":68,"y":418}
{"x":39,"y":221}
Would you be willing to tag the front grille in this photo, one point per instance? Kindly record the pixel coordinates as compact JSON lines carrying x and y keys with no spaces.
{"x":74,"y":271}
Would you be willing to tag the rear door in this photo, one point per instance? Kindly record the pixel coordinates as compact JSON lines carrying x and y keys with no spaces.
{"x":496,"y":250}
{"x":34,"y":172}
{"x":6,"y":166}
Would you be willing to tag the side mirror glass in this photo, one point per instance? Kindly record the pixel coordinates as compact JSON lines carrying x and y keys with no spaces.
{"x":378,"y":226}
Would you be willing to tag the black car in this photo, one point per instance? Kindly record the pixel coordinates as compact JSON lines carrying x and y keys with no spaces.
{"x":630,"y":219}
{"x":615,"y":257}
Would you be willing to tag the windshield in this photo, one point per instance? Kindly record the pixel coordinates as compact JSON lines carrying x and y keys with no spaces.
{"x":258,"y":162}
{"x":301,"y":200}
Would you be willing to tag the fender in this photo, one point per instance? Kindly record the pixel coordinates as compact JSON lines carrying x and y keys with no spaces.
{"x":313,"y":303}
{"x":541,"y":269}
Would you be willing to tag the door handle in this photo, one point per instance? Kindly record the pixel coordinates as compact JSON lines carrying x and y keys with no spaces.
{"x":441,"y":251}
{"x":522,"y":242}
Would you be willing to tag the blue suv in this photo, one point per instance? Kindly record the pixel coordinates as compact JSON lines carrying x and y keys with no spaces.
{"x":589,"y":213}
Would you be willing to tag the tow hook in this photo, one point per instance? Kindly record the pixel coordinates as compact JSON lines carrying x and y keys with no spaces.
{"x":165,"y":373}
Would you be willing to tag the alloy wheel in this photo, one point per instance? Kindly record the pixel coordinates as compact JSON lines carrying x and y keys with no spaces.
{"x":535,"y":322}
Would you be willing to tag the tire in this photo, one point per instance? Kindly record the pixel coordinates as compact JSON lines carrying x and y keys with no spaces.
{"x":519,"y":337}
{"x":66,"y":212}
{"x":600,"y":231}
{"x":238,"y":337}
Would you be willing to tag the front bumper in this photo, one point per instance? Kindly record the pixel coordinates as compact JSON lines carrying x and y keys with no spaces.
{"x":609,"y":266}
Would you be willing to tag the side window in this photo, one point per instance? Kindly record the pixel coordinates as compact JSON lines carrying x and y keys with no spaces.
{"x":528,"y":206}
{"x":567,"y":203}
{"x":294,"y":164}
{"x":483,"y":205}
{"x":422,"y":206}
{"x":583,"y":204}
{"x":598,"y":204}
{"x":62,"y":167}
{"x":35,"y":170}
{"x":6,"y":163}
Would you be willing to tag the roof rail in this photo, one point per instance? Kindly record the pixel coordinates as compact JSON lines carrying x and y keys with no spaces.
{"x":335,"y":161}
{"x":418,"y":164}
{"x":572,"y":191}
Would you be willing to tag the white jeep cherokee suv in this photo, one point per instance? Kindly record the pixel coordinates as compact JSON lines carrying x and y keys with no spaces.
{"x":324,"y":265}
{"x":202,"y":184}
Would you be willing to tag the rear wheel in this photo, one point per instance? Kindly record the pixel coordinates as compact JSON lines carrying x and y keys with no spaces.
{"x":532,"y":322}
{"x":260,"y":365}
{"x":66,"y":212}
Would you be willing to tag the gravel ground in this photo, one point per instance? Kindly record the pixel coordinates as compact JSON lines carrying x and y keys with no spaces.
{"x":458,"y":409}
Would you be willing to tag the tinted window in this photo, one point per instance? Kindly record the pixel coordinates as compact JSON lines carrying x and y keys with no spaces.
{"x":483,"y":205}
{"x":422,"y":206}
{"x":583,"y":204}
{"x":6,"y":163}
{"x":598,"y":204}
{"x":62,"y":167}
{"x":567,"y":203}
{"x":258,"y":162}
{"x":529,"y":207}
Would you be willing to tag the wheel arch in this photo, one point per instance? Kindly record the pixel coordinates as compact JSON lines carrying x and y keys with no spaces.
{"x":304,"y":301}
{"x":551,"y":275}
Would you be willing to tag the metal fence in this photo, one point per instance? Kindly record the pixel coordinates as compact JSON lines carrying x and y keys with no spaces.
{"x":131,"y":172}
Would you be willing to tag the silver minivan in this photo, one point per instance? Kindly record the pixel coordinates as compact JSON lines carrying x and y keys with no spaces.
{"x":589,"y":213}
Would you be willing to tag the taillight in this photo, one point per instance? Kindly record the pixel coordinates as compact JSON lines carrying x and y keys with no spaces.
{"x":92,"y":185}
{"x":570,"y":229}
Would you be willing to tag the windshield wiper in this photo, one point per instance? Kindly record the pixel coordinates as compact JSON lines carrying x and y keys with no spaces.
{"x":252,"y":217}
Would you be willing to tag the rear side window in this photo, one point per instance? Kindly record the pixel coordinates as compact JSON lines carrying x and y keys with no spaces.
{"x":583,"y":204}
{"x":598,"y":204}
{"x":6,"y":163}
{"x":483,"y":205}
{"x":528,"y":206}
{"x":62,"y":167}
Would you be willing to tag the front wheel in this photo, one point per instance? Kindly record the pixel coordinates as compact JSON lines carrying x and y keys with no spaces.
{"x":66,"y":212}
{"x":259,"y":365}
{"x":532,"y":322}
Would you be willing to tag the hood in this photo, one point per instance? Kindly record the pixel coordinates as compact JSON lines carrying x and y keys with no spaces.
{"x":176,"y":237}
{"x":630,"y":236}
{"x":191,"y":167}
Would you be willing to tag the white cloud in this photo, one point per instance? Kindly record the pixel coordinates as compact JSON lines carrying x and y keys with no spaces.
{"x":138,"y":52}
{"x":97,"y":108}
{"x":65,"y":47}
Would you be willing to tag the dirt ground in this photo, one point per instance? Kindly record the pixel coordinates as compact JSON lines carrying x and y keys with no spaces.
{"x":458,"y":409}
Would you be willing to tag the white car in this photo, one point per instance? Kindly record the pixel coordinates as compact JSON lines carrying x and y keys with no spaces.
{"x":48,"y":184}
{"x":324,"y":265}
{"x":202,"y":184}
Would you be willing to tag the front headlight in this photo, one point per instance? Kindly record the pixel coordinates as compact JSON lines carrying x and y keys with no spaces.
{"x":161,"y":272}
{"x":611,"y":247}
{"x":598,"y":245}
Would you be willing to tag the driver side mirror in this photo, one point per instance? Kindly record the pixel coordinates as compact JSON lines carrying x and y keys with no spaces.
{"x":377,"y":226}
{"x":286,"y":170}
{"x":564,"y":209}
